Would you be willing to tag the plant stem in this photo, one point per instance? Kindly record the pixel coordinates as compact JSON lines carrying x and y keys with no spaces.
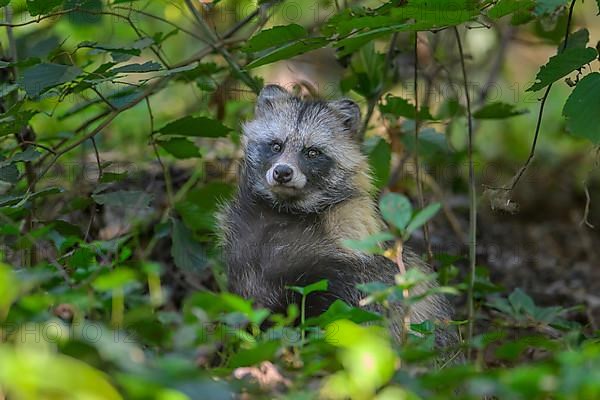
{"x":472,"y":200}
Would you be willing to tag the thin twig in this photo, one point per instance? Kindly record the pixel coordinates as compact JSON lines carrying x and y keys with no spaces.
{"x":405,"y":292}
{"x":472,"y":199}
{"x":538,"y":125}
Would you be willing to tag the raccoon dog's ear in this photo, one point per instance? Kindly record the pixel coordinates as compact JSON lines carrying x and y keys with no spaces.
{"x":350,"y":114}
{"x":268,"y":96}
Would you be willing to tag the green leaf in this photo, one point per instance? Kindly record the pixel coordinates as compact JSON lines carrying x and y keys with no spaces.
{"x":124,"y":199}
{"x":380,"y":156}
{"x":422,"y":216}
{"x":431,"y":142}
{"x":9,"y":289}
{"x":563,"y":64}
{"x":38,"y":7}
{"x":582,"y":109}
{"x":276,"y":36}
{"x":288,"y":50}
{"x":180,"y":148}
{"x":505,"y":7}
{"x":371,"y":244}
{"x":4,"y":3}
{"x":577,"y":39}
{"x":320,"y":286}
{"x":548,"y":6}
{"x":148,"y":66}
{"x":396,"y":210}
{"x":520,"y":301}
{"x":261,"y":352}
{"x":195,"y":126}
{"x":41,"y":77}
{"x":399,"y":107}
{"x":115,"y":279}
{"x":186,"y":252}
{"x":199,"y":206}
{"x":35,"y":369}
{"x":498,"y":110}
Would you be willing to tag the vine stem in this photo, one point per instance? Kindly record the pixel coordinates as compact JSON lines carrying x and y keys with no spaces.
{"x":538,"y":125}
{"x":472,"y":199}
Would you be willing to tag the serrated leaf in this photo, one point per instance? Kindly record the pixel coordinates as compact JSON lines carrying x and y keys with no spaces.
{"x":149,"y":66}
{"x":422,"y":216}
{"x":180,"y":148}
{"x":396,"y":210}
{"x":582,"y":109}
{"x":288,"y":50}
{"x":563,"y":64}
{"x":41,"y":77}
{"x":39,"y":7}
{"x":274,"y":37}
{"x":498,"y":110}
{"x":186,"y":252}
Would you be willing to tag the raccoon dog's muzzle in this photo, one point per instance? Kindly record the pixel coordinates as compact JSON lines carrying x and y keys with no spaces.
{"x":285,"y":176}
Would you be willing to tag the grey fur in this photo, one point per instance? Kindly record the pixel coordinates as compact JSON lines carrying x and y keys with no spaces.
{"x":275,"y":237}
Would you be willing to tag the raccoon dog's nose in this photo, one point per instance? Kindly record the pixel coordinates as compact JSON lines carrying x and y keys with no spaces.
{"x":283,"y":173}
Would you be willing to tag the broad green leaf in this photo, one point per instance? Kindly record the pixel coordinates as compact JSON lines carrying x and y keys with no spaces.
{"x":431,"y":142}
{"x":9,"y":289}
{"x":371,"y":244}
{"x":41,"y":77}
{"x":148,"y":66}
{"x":198,"y":207}
{"x":115,"y":279}
{"x":340,"y":310}
{"x":180,"y":148}
{"x":39,"y":7}
{"x":186,"y":252}
{"x":396,"y":210}
{"x":582,"y":109}
{"x":505,"y":7}
{"x":124,"y":199}
{"x":195,"y":126}
{"x":577,"y":39}
{"x":276,"y":36}
{"x":520,"y":301}
{"x":320,"y":286}
{"x":399,"y":107}
{"x":563,"y":64}
{"x":380,"y":156}
{"x":261,"y":352}
{"x":34,"y":370}
{"x":498,"y":110}
{"x":422,"y":216}
{"x":288,"y":50}
{"x":82,"y":17}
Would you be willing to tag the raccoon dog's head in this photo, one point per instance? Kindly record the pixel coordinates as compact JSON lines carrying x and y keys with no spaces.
{"x":303,"y":155}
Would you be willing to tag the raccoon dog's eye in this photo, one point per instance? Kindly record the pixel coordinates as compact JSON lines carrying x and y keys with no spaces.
{"x":276,"y":147}
{"x":313,"y":153}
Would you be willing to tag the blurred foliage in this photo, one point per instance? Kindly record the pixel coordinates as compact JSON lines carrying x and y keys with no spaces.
{"x":119,"y":133}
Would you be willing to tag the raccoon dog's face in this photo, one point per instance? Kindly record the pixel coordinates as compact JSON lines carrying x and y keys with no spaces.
{"x":302,"y":155}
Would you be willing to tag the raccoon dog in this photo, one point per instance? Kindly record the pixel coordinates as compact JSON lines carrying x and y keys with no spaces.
{"x":304,"y":187}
